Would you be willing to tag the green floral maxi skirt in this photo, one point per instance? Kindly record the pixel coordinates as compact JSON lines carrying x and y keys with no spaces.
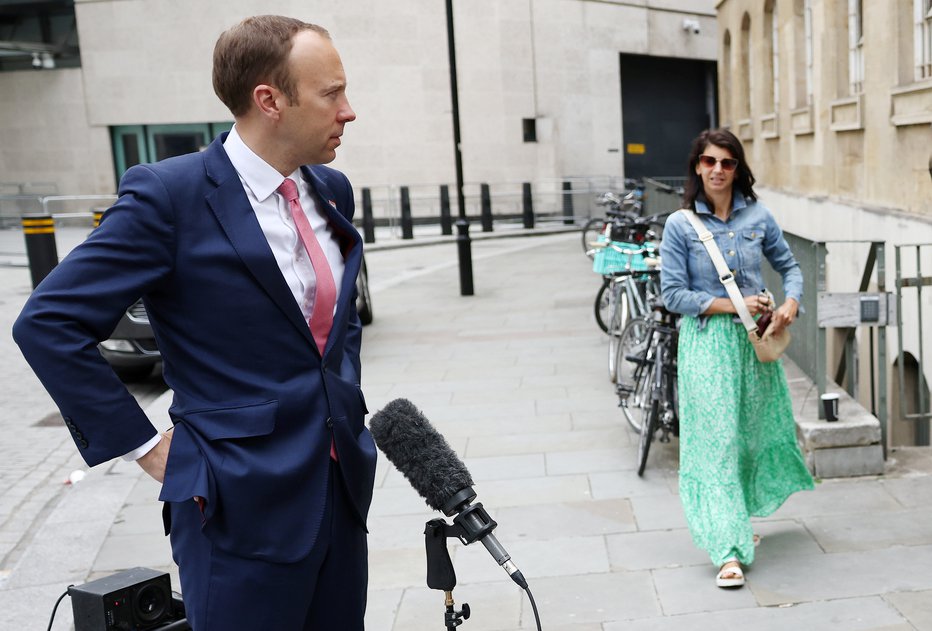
{"x":738,"y":452}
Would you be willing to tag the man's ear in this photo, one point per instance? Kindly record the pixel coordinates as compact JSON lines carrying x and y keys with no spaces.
{"x":268,"y":100}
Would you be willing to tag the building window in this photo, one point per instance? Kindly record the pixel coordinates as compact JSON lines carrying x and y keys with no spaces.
{"x":744,"y":68}
{"x":855,"y":46}
{"x":529,"y":128}
{"x":139,"y":144}
{"x":772,"y":55}
{"x":923,"y":39}
{"x":802,"y":32}
{"x":38,"y":35}
{"x":728,"y":116}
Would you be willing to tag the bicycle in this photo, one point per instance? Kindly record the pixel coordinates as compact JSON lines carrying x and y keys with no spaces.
{"x":626,"y":294}
{"x":648,"y":386}
{"x":619,"y":211}
{"x":627,"y":233}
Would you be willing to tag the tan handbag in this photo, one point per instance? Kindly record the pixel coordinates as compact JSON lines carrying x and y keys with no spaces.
{"x":769,"y":346}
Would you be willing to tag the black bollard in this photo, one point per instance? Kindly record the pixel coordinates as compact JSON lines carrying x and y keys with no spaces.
{"x":486,"y":216}
{"x":464,"y":249}
{"x":407,"y":228}
{"x":446,"y":221}
{"x":528,"y":204}
{"x":41,"y":251}
{"x":567,"y":203}
{"x":368,"y":221}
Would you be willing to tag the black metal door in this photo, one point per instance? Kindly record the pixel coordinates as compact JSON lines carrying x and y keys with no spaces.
{"x":665,"y":103}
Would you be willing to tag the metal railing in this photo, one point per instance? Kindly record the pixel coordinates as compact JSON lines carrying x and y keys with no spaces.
{"x":808,"y":347}
{"x":917,"y":281}
{"x":663,"y":194}
{"x":570,"y":199}
{"x":807,"y":337}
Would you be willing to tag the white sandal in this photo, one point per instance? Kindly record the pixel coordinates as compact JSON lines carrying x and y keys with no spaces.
{"x":732,"y":576}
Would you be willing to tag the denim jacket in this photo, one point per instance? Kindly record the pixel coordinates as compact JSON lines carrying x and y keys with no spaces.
{"x":688,"y":280}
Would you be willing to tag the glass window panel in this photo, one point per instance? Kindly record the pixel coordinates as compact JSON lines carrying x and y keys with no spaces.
{"x":170,"y":144}
{"x":131,"y":155}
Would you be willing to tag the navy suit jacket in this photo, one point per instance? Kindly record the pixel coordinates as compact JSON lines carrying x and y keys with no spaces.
{"x":255,"y":404}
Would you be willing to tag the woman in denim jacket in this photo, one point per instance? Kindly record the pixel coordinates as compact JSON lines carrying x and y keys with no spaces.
{"x":738,"y":452}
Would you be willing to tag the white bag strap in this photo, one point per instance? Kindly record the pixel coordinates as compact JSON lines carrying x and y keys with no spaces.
{"x":724,"y":274}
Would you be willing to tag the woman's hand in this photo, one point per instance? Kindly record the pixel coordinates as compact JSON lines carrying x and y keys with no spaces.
{"x":757,"y":304}
{"x":785,"y":315}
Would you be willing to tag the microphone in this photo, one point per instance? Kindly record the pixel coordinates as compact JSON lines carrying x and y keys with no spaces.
{"x":425,"y":458}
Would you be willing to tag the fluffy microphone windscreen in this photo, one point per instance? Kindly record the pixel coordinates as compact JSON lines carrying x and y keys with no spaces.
{"x":416,"y":449}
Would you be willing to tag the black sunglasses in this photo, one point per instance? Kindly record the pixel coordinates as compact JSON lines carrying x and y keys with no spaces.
{"x":728,"y":164}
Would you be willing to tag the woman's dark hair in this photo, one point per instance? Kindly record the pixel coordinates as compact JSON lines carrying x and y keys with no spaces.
{"x":744,"y":179}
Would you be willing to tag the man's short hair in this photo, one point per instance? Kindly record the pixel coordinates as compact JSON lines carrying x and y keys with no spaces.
{"x":253,"y":52}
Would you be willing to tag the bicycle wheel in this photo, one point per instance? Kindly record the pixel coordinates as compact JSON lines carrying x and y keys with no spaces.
{"x":603,"y":305}
{"x":617,"y":323}
{"x":590,"y":233}
{"x":648,"y":427}
{"x":632,"y":373}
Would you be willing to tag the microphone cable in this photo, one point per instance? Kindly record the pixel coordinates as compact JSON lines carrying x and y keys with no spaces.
{"x":533,"y":606}
{"x":55,"y":608}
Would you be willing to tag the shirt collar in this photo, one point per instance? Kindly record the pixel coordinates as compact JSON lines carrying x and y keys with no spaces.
{"x":738,"y":202}
{"x":261,"y":177}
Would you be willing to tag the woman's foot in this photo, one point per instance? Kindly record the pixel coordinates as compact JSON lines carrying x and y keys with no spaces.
{"x":730,"y":574}
{"x":756,"y":540}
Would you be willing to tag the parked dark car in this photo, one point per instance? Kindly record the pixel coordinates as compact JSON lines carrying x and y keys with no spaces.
{"x":131,"y":349}
{"x":132,"y":352}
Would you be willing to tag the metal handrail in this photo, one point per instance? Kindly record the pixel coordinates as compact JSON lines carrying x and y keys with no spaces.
{"x":73,"y":198}
{"x":918,"y":281}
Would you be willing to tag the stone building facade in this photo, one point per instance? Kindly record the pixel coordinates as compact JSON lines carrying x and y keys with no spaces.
{"x":548,"y":65}
{"x":833,"y":102}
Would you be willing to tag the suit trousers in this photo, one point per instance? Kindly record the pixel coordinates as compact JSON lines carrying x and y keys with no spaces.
{"x":324,"y":591}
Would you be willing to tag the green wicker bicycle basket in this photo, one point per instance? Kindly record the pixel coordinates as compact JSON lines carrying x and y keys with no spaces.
{"x":608,"y":260}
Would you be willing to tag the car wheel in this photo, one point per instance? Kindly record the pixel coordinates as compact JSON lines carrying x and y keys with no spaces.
{"x":363,"y":299}
{"x":132,"y":374}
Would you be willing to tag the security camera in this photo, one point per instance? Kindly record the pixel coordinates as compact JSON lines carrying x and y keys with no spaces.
{"x":691,"y":26}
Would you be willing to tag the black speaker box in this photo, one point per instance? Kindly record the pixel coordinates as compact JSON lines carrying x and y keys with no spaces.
{"x":138,"y":599}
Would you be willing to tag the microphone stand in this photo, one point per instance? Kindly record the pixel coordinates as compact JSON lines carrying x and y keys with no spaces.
{"x":440,"y":573}
{"x":472,"y":523}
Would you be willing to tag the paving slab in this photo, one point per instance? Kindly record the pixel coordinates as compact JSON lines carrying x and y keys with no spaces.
{"x":659,"y":511}
{"x":592,"y":461}
{"x":783,"y":580}
{"x":692,"y":589}
{"x":495,"y":607}
{"x":854,"y":614}
{"x":911,"y":492}
{"x":915,"y":606}
{"x":553,"y":520}
{"x":871,"y":531}
{"x":655,"y":549}
{"x":569,"y":600}
{"x":537,"y":558}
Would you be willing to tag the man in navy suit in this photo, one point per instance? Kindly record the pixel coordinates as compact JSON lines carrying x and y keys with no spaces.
{"x":268,"y":470}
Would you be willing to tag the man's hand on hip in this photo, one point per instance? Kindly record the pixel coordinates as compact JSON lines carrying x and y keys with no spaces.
{"x":154,"y":462}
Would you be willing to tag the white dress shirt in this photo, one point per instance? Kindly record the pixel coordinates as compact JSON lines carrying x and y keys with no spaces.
{"x":260,"y":182}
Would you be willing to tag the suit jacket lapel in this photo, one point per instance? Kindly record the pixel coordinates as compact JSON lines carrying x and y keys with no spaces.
{"x":238,"y":221}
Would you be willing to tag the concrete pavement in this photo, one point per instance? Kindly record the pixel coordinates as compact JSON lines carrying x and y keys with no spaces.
{"x":515,"y":378}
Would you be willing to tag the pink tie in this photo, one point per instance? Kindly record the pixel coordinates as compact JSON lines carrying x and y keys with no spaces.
{"x":325,"y":295}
